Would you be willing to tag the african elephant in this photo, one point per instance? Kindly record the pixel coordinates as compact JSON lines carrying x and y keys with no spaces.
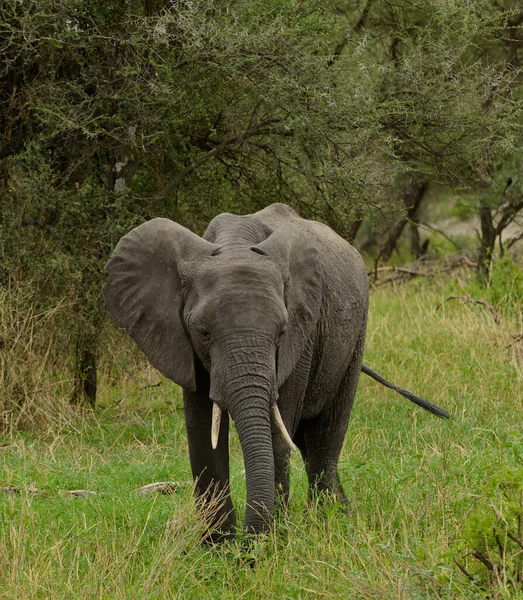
{"x":262,"y":319}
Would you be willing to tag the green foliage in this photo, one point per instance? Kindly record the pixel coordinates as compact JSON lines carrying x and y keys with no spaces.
{"x":246,"y":104}
{"x":437,"y":89}
{"x":505,"y":286}
{"x":494,"y":533}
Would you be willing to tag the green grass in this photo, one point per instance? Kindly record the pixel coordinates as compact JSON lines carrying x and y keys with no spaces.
{"x":412,"y":479}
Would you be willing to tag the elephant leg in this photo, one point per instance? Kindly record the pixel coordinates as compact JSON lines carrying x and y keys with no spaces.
{"x":321,"y":439}
{"x":210,"y":468}
{"x":290,"y":404}
{"x":322,"y":450}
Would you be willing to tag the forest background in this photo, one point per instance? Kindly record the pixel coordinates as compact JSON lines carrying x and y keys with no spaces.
{"x":388,"y":120}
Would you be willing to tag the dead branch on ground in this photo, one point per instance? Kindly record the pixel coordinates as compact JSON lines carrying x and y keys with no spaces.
{"x":421,"y":268}
{"x":470,"y":300}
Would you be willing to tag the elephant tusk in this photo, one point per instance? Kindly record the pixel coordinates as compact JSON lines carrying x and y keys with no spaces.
{"x":281,"y":426}
{"x":215,"y":427}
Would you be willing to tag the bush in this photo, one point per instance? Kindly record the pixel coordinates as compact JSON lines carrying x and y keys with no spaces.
{"x":494,"y":534}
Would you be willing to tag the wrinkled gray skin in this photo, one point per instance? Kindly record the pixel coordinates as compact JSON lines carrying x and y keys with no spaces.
{"x":265,"y":308}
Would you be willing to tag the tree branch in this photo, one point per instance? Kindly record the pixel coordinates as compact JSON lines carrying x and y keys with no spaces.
{"x":436,"y":230}
{"x":216,"y":151}
{"x":509,"y":212}
{"x":483,"y":559}
{"x":513,"y":240}
{"x":469,"y":300}
{"x":357,"y":27}
{"x":463,"y":570}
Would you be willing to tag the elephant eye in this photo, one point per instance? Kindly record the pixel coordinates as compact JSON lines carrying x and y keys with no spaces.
{"x":281,"y":333}
{"x":204,"y":334}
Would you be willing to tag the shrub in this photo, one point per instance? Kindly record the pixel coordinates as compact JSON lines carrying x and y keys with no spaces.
{"x":494,"y":534}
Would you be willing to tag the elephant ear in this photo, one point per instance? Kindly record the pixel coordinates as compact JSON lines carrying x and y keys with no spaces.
{"x":301,"y":266}
{"x":144,"y":293}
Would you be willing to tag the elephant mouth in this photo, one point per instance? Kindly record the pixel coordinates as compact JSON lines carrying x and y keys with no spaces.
{"x":275,"y":416}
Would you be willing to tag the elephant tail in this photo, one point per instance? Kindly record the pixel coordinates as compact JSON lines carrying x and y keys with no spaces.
{"x":435,"y":410}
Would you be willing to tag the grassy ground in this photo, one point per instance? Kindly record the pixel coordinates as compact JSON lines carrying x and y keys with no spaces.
{"x":413,"y":480}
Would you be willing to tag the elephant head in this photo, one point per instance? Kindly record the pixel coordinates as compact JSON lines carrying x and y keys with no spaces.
{"x":246,"y":312}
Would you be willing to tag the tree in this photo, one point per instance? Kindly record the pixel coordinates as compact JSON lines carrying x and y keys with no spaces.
{"x":447,"y":78}
{"x":114,"y":112}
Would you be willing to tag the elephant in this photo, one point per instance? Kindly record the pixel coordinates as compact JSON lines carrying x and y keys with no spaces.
{"x":262,"y":319}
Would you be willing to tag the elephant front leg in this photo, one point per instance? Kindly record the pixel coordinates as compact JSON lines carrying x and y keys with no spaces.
{"x":210,"y":468}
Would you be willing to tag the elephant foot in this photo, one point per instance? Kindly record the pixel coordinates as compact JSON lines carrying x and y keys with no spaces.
{"x":215,"y":537}
{"x":329,"y":492}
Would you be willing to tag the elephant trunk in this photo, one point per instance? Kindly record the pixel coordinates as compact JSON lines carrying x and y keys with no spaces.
{"x":254,"y":429}
{"x":243,"y":383}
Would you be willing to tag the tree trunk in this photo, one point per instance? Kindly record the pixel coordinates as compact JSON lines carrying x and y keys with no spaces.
{"x":85,"y":382}
{"x":415,"y":241}
{"x":486,"y":243}
{"x":151,"y":8}
{"x":412,"y":199}
{"x":352,"y":230}
{"x":489,"y":231}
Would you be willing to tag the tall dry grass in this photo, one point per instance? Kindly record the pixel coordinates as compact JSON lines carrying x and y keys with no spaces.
{"x":35,"y":387}
{"x":37,"y":364}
